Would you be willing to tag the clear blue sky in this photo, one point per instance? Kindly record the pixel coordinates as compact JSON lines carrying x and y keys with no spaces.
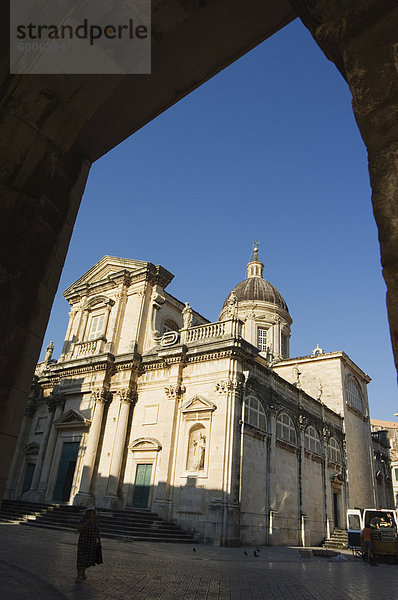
{"x":267,"y":150}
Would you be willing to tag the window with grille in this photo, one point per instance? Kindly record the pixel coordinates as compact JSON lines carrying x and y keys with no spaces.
{"x":254,"y":414}
{"x":334,"y":451}
{"x":262,"y":339}
{"x":354,"y":396}
{"x":96,"y":327}
{"x":312,"y":441}
{"x":285,"y":429}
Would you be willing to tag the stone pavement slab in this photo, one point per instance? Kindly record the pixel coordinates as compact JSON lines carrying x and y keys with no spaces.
{"x":40,"y":563}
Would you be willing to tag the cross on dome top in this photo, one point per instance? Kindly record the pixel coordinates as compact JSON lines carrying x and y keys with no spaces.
{"x":255,"y":267}
{"x":255,"y":250}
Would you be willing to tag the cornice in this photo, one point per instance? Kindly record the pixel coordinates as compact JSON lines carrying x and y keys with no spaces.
{"x":103,"y":362}
{"x":148,"y":272}
{"x":338,"y":354}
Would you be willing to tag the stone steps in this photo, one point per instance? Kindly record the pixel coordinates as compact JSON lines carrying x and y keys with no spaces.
{"x":338,"y":539}
{"x":126,"y":525}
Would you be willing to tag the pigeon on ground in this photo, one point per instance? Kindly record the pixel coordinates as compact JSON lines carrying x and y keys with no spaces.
{"x":193,"y":549}
{"x":245,"y":553}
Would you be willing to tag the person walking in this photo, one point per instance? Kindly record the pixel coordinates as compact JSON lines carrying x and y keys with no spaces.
{"x":89,"y":542}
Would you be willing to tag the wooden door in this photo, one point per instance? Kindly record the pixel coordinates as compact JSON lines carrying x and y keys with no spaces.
{"x":142,"y":486}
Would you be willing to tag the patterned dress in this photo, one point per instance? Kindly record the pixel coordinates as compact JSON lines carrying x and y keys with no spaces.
{"x":87,"y":545}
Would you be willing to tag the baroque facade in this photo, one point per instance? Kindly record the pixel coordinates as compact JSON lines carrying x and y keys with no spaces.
{"x":211,"y":425}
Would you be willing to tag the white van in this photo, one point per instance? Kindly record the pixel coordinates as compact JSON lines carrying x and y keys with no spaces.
{"x":383,"y":523}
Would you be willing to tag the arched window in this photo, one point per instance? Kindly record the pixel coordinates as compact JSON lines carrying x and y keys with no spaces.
{"x":312,"y":441}
{"x":254,"y":413}
{"x":196,"y":448}
{"x":170,"y":325}
{"x":353,"y":394}
{"x":285,"y":429}
{"x":334,"y":450}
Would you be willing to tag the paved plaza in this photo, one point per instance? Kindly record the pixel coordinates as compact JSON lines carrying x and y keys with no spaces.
{"x":40,"y":564}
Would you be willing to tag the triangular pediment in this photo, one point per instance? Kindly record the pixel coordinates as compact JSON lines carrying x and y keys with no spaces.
{"x":198,"y":403}
{"x":72,"y":418}
{"x":105,"y":268}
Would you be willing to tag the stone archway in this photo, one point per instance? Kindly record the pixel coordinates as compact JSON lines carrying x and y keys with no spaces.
{"x":54,"y":127}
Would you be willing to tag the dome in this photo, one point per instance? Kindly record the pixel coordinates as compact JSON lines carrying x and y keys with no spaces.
{"x":255,"y":288}
{"x":258,"y":289}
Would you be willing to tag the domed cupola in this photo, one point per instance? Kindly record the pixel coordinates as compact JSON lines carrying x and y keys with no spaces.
{"x":263,"y":310}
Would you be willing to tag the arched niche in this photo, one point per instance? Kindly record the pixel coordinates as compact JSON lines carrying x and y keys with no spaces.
{"x":196,"y":450}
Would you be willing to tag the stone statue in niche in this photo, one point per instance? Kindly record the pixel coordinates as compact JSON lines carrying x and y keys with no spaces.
{"x":196,"y":450}
{"x":187,"y":315}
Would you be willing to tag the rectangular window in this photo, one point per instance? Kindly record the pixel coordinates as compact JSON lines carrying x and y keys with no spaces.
{"x":396,"y":474}
{"x":262,"y":339}
{"x":285,"y":346}
{"x":96,"y":328}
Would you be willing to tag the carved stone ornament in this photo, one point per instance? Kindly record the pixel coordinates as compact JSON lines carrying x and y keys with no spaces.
{"x":174,"y":391}
{"x":55,"y":399}
{"x":157,"y":299}
{"x":127,"y":395}
{"x":169,"y":339}
{"x":326,"y":432}
{"x":222,"y":387}
{"x":101,"y":396}
{"x":302,"y":422}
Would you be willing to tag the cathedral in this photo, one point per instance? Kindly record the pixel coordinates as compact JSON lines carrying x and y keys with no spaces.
{"x":211,"y":425}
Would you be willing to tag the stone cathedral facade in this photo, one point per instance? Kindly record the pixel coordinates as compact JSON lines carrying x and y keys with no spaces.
{"x":211,"y":425}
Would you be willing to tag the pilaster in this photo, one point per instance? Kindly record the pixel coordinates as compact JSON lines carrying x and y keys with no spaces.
{"x":127,"y":398}
{"x":54,"y":401}
{"x":84,"y":496}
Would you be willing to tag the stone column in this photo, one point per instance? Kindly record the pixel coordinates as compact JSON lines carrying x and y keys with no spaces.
{"x":83,"y":497}
{"x":32,"y":494}
{"x":18,"y":459}
{"x":48,"y":460}
{"x":126,"y":398}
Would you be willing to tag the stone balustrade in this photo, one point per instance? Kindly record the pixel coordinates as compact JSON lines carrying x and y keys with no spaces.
{"x":211,"y":331}
{"x":85,"y":349}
